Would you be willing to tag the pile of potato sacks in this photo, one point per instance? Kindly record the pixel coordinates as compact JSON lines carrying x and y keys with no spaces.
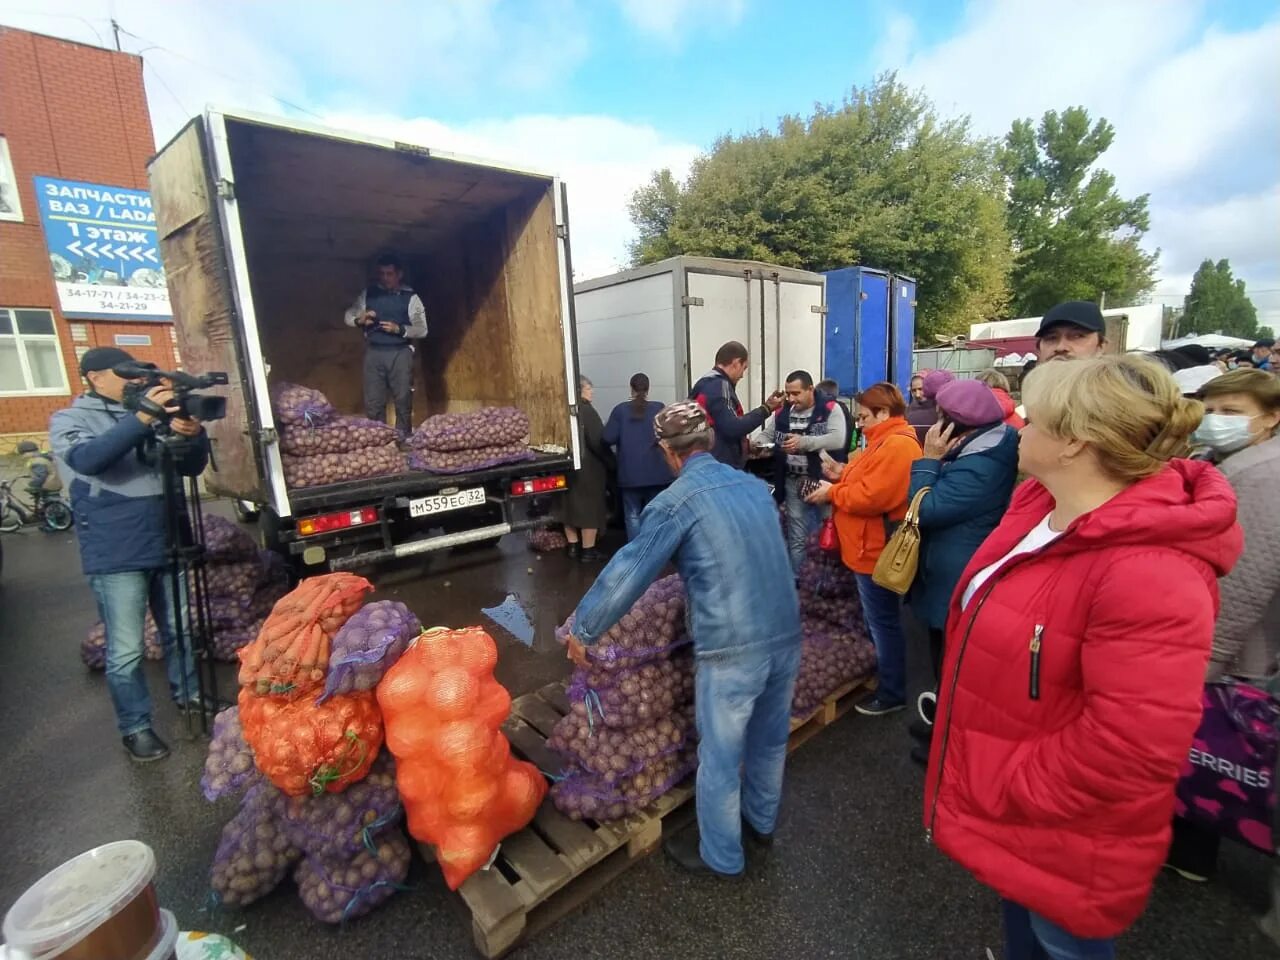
{"x":836,"y":649}
{"x":319,"y":796}
{"x":319,"y":446}
{"x":629,"y":736}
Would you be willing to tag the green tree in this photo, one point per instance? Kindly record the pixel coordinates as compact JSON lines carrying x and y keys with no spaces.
{"x":1075,"y":237}
{"x":1217,"y":303}
{"x":879,"y":180}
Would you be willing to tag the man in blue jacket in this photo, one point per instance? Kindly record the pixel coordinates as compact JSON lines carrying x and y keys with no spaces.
{"x":717,"y":394}
{"x":721,"y":527}
{"x":105,"y":454}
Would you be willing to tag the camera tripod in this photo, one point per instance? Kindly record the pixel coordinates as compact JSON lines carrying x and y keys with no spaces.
{"x":185,"y":559}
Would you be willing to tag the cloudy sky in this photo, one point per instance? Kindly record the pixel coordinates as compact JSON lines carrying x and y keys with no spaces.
{"x":604,"y":91}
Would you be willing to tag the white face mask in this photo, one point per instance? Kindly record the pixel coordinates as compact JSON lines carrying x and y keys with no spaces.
{"x":1225,"y":432}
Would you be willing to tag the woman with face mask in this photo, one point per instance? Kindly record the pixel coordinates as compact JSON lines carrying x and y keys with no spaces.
{"x":1239,"y":433}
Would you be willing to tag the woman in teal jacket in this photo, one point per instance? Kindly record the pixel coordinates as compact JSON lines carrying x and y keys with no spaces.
{"x":970,"y":465}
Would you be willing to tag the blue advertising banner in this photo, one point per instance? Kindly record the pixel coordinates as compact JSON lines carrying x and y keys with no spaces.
{"x":102,"y":248}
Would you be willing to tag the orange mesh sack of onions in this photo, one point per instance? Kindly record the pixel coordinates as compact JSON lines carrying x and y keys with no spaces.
{"x":461,"y":788}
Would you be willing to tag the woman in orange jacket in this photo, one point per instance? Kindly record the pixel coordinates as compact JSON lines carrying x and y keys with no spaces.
{"x":869,"y":497}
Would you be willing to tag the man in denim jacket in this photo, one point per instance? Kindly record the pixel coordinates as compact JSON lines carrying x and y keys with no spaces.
{"x":721,"y":527}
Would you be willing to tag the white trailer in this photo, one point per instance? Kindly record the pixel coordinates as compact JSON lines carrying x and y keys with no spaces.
{"x":668,"y":319}
{"x":1128,"y":328}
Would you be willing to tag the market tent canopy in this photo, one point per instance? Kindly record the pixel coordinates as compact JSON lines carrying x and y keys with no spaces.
{"x":1210,"y":341}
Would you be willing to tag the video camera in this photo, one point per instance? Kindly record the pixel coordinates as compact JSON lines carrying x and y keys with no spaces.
{"x":186,"y":404}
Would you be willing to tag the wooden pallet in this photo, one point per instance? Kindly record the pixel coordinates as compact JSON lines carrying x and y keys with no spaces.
{"x":554,"y":865}
{"x":836,"y":705}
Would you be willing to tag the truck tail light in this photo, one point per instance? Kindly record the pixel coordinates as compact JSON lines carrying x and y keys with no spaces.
{"x":344,"y":520}
{"x":527,"y":488}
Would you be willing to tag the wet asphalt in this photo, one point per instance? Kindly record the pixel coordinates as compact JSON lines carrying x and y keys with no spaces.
{"x":850,"y":875}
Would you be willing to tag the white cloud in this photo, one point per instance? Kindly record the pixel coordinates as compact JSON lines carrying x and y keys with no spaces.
{"x":676,"y":21}
{"x":894,"y":45}
{"x":1193,"y":109}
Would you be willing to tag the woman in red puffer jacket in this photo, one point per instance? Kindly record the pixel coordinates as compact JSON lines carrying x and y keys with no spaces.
{"x":1076,"y":647}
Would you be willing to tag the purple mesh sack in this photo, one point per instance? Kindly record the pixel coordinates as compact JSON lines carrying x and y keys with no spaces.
{"x":253,"y":855}
{"x":328,"y":468}
{"x":294,"y":405}
{"x":479,"y":429}
{"x":339,"y":825}
{"x":652,"y":629}
{"x":582,"y":795}
{"x":225,"y":541}
{"x":621,"y":699}
{"x":228,"y":767}
{"x":234,"y":581}
{"x":368,"y":645}
{"x":614,"y":755}
{"x":335,"y":890}
{"x":464,"y":461}
{"x":1228,"y":780}
{"x":829,"y":659}
{"x":341,"y":435}
{"x":229,"y":638}
{"x":547,"y":540}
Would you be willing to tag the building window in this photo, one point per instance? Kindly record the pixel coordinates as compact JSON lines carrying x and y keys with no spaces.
{"x":10,"y":202}
{"x":132,"y":340}
{"x":30,"y":356}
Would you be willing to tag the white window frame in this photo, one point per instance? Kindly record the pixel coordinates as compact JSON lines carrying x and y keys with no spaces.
{"x":8,"y":178}
{"x":20,"y":338}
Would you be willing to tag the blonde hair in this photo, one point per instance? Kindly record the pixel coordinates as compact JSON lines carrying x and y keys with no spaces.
{"x":994,"y":378}
{"x":1126,"y":407}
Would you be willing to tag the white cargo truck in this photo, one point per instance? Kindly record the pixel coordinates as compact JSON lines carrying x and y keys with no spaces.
{"x":668,"y":319}
{"x":268,"y":228}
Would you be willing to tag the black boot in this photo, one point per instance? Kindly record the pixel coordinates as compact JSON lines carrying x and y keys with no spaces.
{"x":591,"y":555}
{"x":683,"y":846}
{"x":145,"y":746}
{"x":749,"y":833}
{"x":572,"y":551}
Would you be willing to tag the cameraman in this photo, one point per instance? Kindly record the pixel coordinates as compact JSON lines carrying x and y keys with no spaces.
{"x":104,"y":453}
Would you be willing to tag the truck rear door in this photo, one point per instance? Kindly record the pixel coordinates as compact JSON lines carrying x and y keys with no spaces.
{"x":192,"y":190}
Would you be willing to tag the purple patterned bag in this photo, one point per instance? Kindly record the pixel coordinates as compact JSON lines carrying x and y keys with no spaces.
{"x":1228,"y":780}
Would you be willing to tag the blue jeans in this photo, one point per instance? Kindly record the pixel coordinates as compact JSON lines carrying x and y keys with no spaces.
{"x":123,"y":599}
{"x":1029,"y":936}
{"x":743,"y":703}
{"x":634,"y":500}
{"x":882,"y":609}
{"x":802,"y":519}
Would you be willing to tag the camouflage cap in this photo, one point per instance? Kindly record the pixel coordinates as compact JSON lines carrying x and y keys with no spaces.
{"x":681,"y":419}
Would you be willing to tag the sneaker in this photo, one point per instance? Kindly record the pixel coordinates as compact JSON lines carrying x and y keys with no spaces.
{"x":754,"y":836}
{"x":145,"y":746}
{"x":875,"y":707}
{"x":920,"y":754}
{"x":684,"y":849}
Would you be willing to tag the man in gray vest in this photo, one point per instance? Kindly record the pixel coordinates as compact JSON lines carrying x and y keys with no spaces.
{"x":391,"y":315}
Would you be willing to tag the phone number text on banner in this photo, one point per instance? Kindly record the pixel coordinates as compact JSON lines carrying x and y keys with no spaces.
{"x":102,"y":250}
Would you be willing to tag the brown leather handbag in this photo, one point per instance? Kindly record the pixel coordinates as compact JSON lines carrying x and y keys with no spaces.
{"x":896,"y":568}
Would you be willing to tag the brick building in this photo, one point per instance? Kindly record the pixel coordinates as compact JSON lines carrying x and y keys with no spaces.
{"x":74,"y":113}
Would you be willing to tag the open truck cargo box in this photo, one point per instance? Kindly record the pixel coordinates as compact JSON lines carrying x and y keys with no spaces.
{"x":268,"y":229}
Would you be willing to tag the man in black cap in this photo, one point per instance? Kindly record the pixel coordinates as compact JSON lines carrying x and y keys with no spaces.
{"x":117,"y":493}
{"x":1071,"y":331}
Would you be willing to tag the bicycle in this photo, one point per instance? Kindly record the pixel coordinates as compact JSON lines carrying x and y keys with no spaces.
{"x":49,"y":511}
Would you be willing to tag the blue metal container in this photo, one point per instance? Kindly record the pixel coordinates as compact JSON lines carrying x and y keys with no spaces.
{"x":902,"y":315}
{"x":860,"y":337}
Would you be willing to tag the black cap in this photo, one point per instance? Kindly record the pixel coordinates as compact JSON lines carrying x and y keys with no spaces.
{"x":1265,"y":342}
{"x":1195,"y":352}
{"x":1079,"y":313}
{"x":103,"y":358}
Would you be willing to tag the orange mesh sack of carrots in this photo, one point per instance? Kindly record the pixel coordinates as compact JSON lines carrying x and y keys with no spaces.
{"x":462,"y":790}
{"x":304,"y":747}
{"x":290,"y":657}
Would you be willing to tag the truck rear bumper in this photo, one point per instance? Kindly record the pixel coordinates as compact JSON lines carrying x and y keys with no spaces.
{"x":413,"y":548}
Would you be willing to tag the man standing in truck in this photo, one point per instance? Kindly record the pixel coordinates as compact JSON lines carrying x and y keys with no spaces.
{"x":717,"y":394}
{"x":391,"y":316}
